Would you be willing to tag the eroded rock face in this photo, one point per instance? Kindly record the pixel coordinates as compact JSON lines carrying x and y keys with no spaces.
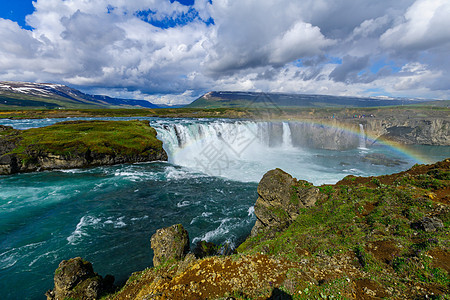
{"x":409,"y":131}
{"x":280,"y":198}
{"x":170,"y":243}
{"x":75,"y":279}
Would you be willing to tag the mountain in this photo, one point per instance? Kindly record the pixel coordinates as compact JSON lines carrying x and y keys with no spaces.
{"x":273,"y":100}
{"x":15,"y":95}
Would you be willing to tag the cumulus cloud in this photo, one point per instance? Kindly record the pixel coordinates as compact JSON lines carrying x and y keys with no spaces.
{"x":167,"y":52}
{"x":251,"y":34}
{"x":423,"y":26}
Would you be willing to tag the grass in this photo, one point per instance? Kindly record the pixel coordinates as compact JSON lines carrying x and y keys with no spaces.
{"x":228,"y":112}
{"x":26,"y":113}
{"x":358,"y":215}
{"x":358,"y":240}
{"x":70,"y":139}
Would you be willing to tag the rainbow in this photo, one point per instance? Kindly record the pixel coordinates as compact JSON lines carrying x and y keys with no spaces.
{"x":401,"y":149}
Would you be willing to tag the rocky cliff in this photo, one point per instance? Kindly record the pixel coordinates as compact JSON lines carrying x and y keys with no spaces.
{"x":280,"y":199}
{"x":410,"y":131}
{"x":345,"y":133}
{"x":336,"y":134}
{"x":78,"y":144}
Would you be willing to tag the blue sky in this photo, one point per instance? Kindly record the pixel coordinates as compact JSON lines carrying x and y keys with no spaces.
{"x":173,"y":51}
{"x":16,"y":10}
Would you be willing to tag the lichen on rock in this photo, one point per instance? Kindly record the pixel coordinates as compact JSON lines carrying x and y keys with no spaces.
{"x":280,"y":198}
{"x":169,"y":243}
{"x":75,"y":279}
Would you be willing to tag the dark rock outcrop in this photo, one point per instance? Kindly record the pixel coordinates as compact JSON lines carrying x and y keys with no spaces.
{"x":203,"y":249}
{"x":280,"y":198}
{"x":169,"y":243}
{"x":8,"y":141}
{"x":10,"y":163}
{"x":75,"y":279}
{"x":428,"y":224}
{"x":382,"y":160}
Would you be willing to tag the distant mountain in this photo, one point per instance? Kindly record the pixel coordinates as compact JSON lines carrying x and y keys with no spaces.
{"x":15,"y":95}
{"x":250,"y":99}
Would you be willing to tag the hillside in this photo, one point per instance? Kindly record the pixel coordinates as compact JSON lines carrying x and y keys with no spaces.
{"x":274,"y":100}
{"x":362,"y":238}
{"x":25,"y":95}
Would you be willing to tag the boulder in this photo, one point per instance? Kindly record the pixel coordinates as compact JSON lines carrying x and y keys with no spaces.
{"x":169,"y":243}
{"x":75,"y":279}
{"x":428,"y":224}
{"x":280,"y":198}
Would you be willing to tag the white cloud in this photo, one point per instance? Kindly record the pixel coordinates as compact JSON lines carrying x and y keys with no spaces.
{"x":16,"y":42}
{"x":250,"y":34}
{"x":259,"y":45}
{"x":302,"y":40}
{"x":424,"y":26}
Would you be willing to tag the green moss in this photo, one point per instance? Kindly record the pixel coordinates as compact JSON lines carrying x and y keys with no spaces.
{"x":70,"y":139}
{"x":326,"y":189}
{"x":135,"y":276}
{"x":279,"y":212}
{"x":294,"y":196}
{"x":57,"y":271}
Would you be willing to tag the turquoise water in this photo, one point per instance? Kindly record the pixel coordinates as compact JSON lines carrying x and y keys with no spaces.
{"x":108,"y":214}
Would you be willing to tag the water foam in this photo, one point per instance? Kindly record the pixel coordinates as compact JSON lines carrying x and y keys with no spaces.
{"x":251,"y":211}
{"x":220,"y":231}
{"x":183,"y":203}
{"x":80,"y":230}
{"x":139,"y":219}
{"x":9,"y":258}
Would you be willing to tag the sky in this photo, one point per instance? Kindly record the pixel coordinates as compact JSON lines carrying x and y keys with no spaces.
{"x":171,"y":52}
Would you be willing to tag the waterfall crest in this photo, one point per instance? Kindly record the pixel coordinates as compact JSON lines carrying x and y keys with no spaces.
{"x":362,"y":137}
{"x":287,"y":136}
{"x":244,"y":150}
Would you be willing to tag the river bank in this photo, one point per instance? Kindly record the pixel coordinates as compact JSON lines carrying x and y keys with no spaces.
{"x":362,"y":238}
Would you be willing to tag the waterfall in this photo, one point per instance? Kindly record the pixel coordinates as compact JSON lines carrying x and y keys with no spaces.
{"x":213,"y":146}
{"x":362,"y":137}
{"x":287,"y":138}
{"x":244,"y":149}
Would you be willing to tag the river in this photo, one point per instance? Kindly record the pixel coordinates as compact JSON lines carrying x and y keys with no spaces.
{"x":108,"y":214}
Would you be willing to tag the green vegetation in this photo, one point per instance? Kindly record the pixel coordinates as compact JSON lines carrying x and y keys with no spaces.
{"x":360,"y":241}
{"x":83,"y":141}
{"x":122,"y":112}
{"x":73,"y":138}
{"x":13,"y":101}
{"x":373,"y":220}
{"x":292,"y":113}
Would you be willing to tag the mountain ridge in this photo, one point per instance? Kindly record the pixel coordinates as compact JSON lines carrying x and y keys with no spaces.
{"x":217,"y":99}
{"x":16,"y":94}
